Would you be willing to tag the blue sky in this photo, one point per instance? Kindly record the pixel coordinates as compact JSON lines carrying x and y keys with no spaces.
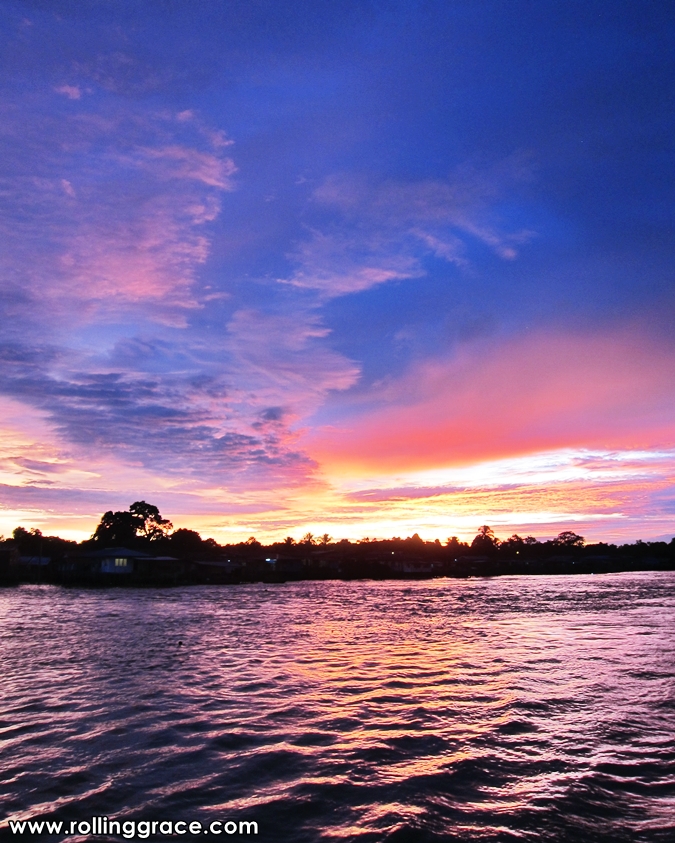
{"x":262,"y":257}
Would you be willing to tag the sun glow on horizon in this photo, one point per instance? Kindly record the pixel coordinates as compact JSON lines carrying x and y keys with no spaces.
{"x":591,"y":491}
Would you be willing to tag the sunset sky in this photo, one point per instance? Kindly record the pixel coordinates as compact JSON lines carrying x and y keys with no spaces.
{"x":358,"y":267}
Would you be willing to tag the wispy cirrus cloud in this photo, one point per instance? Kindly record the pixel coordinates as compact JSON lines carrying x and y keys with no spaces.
{"x":73,"y":92}
{"x":335,"y":264}
{"x":283,"y":359}
{"x":179,"y":162}
{"x":107,"y":222}
{"x":111,"y":212}
{"x":106,"y":208}
{"x":378,"y":232}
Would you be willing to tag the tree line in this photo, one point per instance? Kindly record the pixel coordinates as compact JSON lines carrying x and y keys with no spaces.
{"x":142,"y":527}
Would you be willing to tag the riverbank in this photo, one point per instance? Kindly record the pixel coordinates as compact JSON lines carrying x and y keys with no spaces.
{"x":128,"y":567}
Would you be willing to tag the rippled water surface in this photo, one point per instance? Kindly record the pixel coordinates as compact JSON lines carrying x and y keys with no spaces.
{"x":514,"y":708}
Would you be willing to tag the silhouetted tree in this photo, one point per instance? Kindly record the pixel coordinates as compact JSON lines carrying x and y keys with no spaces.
{"x":33,"y":543}
{"x":29,"y":542}
{"x":20,"y":534}
{"x":568,"y":539}
{"x":116,"y":528}
{"x":186,"y":541}
{"x":514,"y":544}
{"x":325,"y":539}
{"x":125,"y":527}
{"x":485,"y":541}
{"x":150,"y":523}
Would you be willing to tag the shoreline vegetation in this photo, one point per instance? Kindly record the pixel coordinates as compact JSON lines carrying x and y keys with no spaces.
{"x":138,"y":547}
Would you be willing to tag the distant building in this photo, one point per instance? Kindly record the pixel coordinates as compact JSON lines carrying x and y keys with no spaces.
{"x":35,"y":561}
{"x":414,"y":567}
{"x":217,"y":570}
{"x":121,"y":565}
{"x":114,"y":560}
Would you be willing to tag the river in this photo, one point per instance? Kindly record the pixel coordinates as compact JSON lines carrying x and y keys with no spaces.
{"x":504,"y":709}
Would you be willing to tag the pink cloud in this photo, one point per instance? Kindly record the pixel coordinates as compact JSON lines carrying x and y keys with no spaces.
{"x":97,"y":229}
{"x":280,"y":359}
{"x":337,"y":265}
{"x":515,"y":397}
{"x":73,"y":92}
{"x":68,"y":188}
{"x":177,"y":162}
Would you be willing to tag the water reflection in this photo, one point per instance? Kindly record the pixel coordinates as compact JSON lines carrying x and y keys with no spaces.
{"x":483,"y":709}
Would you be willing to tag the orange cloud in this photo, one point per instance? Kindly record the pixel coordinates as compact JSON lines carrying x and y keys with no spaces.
{"x":524,"y":396}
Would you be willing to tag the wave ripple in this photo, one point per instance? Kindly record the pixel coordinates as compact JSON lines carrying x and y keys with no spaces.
{"x":509,"y":709}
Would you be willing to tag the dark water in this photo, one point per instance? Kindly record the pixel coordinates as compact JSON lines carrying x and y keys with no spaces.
{"x":480,"y":710}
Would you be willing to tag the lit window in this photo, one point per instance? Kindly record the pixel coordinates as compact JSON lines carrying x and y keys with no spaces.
{"x":120,"y":563}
